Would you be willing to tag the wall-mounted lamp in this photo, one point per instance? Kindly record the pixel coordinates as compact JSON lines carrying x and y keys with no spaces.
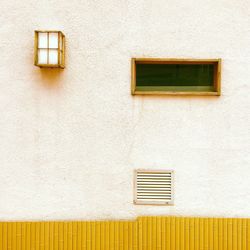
{"x":49,"y":49}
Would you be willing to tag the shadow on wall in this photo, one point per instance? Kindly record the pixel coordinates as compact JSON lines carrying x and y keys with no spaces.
{"x":51,"y":78}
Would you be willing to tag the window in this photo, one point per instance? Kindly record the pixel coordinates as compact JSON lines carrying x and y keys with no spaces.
{"x":175,"y":76}
{"x":153,"y":187}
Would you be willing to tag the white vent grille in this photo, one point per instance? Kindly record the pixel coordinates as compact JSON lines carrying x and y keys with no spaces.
{"x":153,"y":187}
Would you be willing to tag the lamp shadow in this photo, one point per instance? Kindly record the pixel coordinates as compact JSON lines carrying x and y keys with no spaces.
{"x":51,"y":77}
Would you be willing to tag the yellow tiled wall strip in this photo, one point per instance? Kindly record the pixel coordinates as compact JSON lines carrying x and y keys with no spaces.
{"x":146,"y":233}
{"x":179,"y":233}
{"x":68,"y":235}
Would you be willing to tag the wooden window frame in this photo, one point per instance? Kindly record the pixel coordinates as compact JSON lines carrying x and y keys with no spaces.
{"x":217,"y":75}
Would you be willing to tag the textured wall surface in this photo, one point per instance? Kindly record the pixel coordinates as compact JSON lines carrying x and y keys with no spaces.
{"x":70,"y":139}
{"x":145,"y":233}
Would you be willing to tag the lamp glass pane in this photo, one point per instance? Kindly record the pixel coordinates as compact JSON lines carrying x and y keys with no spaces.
{"x":53,"y":56}
{"x":60,"y":39}
{"x":42,"y":40}
{"x":61,"y":57}
{"x":61,"y":42}
{"x":42,"y":56}
{"x":53,"y":40}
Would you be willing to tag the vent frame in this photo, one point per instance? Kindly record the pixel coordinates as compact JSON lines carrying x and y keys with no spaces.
{"x":168,"y":202}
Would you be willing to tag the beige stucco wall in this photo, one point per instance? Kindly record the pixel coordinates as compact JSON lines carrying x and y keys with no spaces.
{"x":70,"y":139}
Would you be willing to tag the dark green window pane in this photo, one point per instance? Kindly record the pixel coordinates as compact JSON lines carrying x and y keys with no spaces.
{"x":185,"y":77}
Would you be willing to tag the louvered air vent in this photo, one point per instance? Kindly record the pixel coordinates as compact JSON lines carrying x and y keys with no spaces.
{"x":153,"y":187}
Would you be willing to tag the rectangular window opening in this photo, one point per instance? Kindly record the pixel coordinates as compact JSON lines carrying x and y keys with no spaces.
{"x":176,"y":76}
